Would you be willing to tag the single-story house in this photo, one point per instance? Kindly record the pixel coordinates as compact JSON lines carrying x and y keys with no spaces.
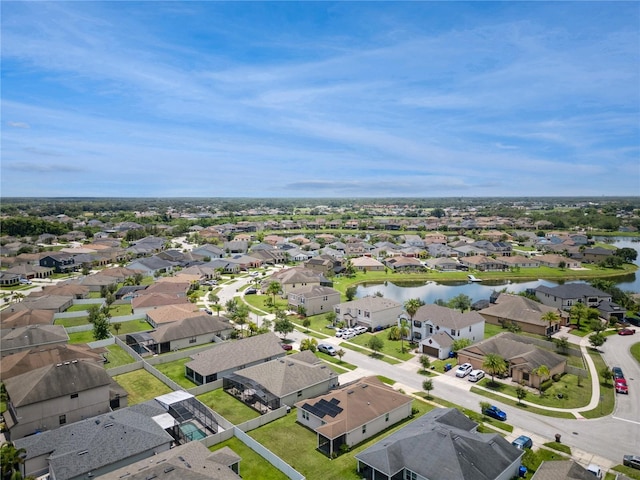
{"x":284,"y":381}
{"x":353,"y":413}
{"x":404,"y":264}
{"x":443,"y":440}
{"x":562,"y":470}
{"x":483,"y":263}
{"x":17,"y":339}
{"x":442,"y":264}
{"x":367,"y":264}
{"x":21,"y":317}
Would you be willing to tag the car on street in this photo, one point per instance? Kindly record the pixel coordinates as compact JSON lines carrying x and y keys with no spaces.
{"x":621,"y":386}
{"x":476,"y":375}
{"x":464,"y":370}
{"x":617,"y":372}
{"x":632,"y":461}
{"x":328,"y":349}
{"x":250,"y":291}
{"x":495,"y":412}
{"x":522,"y":442}
{"x":626,"y":331}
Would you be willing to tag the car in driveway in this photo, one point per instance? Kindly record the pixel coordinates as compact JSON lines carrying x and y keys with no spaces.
{"x":632,"y":461}
{"x":286,"y":346}
{"x":617,"y":372}
{"x":250,"y":291}
{"x":476,"y":375}
{"x":595,"y":470}
{"x":360,"y":329}
{"x":349,"y":333}
{"x":328,"y":349}
{"x":464,"y":370}
{"x":522,"y":442}
{"x":621,"y":386}
{"x":494,"y":412}
{"x":626,"y":331}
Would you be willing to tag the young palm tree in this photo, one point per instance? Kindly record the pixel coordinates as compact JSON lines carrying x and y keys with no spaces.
{"x":11,"y":458}
{"x":542,"y":371}
{"x":494,"y":364}
{"x":551,"y":317}
{"x":273,"y":289}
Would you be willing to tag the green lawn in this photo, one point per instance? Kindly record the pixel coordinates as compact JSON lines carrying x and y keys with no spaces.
{"x":228,"y":406}
{"x":491,"y":330}
{"x":628,"y":471}
{"x":336,"y":361}
{"x":391,"y":347}
{"x":258,"y":302}
{"x":79,"y":308}
{"x":81,"y":337}
{"x":252,"y":465}
{"x":131,"y":326}
{"x":561,"y":447}
{"x":366,"y":351}
{"x":175,"y":371}
{"x":296,"y":445}
{"x":141,"y":386}
{"x":116,"y":357}
{"x":573,"y":395}
{"x":72,"y":322}
{"x":120,"y":310}
{"x":635,"y":351}
{"x":528,"y":408}
{"x":607,"y":392}
{"x":533,"y":458}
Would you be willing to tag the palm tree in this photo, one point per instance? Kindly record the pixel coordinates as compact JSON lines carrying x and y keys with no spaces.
{"x":274,"y":289}
{"x":403,"y":331}
{"x":309,"y":344}
{"x":412,"y":306}
{"x":551,"y":317}
{"x":494,"y":364}
{"x":11,"y":459}
{"x":541,"y":372}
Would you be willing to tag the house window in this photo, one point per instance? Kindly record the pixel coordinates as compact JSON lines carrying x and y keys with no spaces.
{"x":364,"y":429}
{"x":417,"y":323}
{"x":417,"y":335}
{"x":325,"y":298}
{"x":300,"y":393}
{"x":469,"y":327}
{"x":192,"y":340}
{"x":305,"y":415}
{"x":62,"y":419}
{"x":386,"y":417}
{"x":525,"y":376}
{"x":367,"y":314}
{"x":74,"y":395}
{"x":409,"y":475}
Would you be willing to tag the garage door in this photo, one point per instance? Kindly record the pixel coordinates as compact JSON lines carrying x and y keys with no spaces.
{"x":430,"y":350}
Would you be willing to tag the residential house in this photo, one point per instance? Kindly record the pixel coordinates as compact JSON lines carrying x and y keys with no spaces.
{"x":437,"y":327}
{"x":367,"y":264}
{"x":17,"y":339}
{"x":48,"y":397}
{"x":353,"y":413}
{"x":145,"y":301}
{"x":235,"y":246}
{"x":209,"y":250}
{"x":443,"y":443}
{"x":557,"y":261}
{"x":483,"y":263}
{"x":152,"y":266}
{"x":404,"y":264}
{"x":284,"y":381}
{"x":323,"y":264}
{"x":596,"y":254}
{"x":518,"y":261}
{"x":9,"y":279}
{"x":75,"y":291}
{"x":508,"y":309}
{"x":147,"y":246}
{"x":567,"y":295}
{"x":94,"y":446}
{"x":562,"y":470}
{"x":522,"y":356}
{"x":225,"y":358}
{"x":191,"y":461}
{"x":296,"y":277}
{"x":442,"y":264}
{"x":60,"y":262}
{"x":611,"y":311}
{"x":374,"y":312}
{"x":315,"y":299}
{"x":28,"y":271}
{"x":12,"y":317}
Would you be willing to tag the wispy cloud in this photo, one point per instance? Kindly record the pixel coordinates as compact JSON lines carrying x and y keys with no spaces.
{"x":18,"y":125}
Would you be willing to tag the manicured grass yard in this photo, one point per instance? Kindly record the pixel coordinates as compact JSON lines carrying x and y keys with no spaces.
{"x":252,"y":465}
{"x":120,"y":310}
{"x":131,"y":326}
{"x":81,"y":337}
{"x":366,"y":351}
{"x":296,"y":445}
{"x":491,"y":330}
{"x":141,"y":386}
{"x":607,"y":392}
{"x":72,"y":322}
{"x":117,"y":357}
{"x":391,"y":347}
{"x":229,"y":407}
{"x":533,"y":458}
{"x":175,"y":371}
{"x":258,"y":301}
{"x":528,"y":408}
{"x":635,"y":351}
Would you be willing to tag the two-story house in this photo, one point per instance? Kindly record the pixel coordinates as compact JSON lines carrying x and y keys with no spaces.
{"x":567,"y":295}
{"x":60,"y":262}
{"x":374,"y":313}
{"x":314,"y":299}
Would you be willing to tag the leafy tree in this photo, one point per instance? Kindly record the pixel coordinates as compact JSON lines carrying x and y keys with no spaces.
{"x":309,"y":344}
{"x":230,"y":306}
{"x":213,"y":298}
{"x":306,"y":323}
{"x":495,"y":365}
{"x":117,"y":326}
{"x":541,"y":371}
{"x":484,"y":406}
{"x":550,"y":317}
{"x":412,"y":306}
{"x":11,"y":460}
{"x":94,"y":312}
{"x":597,"y":339}
{"x":607,"y":374}
{"x":101,"y":327}
{"x":460,"y":302}
{"x":403,"y":330}
{"x":351,"y":293}
{"x":283,"y":326}
{"x":628,"y":255}
{"x":341,"y":353}
{"x":331,"y":317}
{"x":460,"y":344}
{"x":578,"y":314}
{"x":376,"y":344}
{"x":425,"y":362}
{"x":241,"y":316}
{"x":302,"y":311}
{"x":521,"y":393}
{"x":427,"y":385}
{"x":596,"y":325}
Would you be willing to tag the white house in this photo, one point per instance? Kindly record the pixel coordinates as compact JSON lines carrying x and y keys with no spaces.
{"x":371,"y":312}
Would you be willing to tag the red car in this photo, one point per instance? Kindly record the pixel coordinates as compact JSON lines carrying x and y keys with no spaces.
{"x":621,"y":386}
{"x":626,"y":331}
{"x":286,"y":346}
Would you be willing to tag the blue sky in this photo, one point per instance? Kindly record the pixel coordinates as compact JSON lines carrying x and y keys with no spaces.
{"x":305,"y":99}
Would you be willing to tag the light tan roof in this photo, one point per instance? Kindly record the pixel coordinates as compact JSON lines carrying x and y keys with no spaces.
{"x":156,"y":300}
{"x":172,"y":313}
{"x":11,"y":318}
{"x":361,"y":402}
{"x":32,"y":335}
{"x":190,"y":327}
{"x":366,"y":262}
{"x":27,"y":360}
{"x":180,"y":278}
{"x":371,"y":304}
{"x":519,"y":308}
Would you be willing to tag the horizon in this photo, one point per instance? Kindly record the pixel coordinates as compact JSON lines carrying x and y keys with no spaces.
{"x":320,"y":100}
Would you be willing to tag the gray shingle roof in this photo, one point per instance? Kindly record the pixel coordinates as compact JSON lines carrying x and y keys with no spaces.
{"x":572,"y":290}
{"x":106,"y":439}
{"x":444,"y":445}
{"x":445,"y":317}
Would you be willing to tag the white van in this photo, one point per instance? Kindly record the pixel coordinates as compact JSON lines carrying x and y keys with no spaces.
{"x":595,"y":469}
{"x":476,"y":375}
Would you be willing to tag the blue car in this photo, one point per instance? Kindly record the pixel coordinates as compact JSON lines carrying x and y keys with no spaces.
{"x":495,"y":412}
{"x":522,"y":442}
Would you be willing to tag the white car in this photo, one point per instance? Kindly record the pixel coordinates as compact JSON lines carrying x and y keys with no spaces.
{"x":464,"y":370}
{"x":349,"y":333}
{"x":328,"y":349}
{"x":360,"y":329}
{"x":476,"y":375}
{"x":340,"y":332}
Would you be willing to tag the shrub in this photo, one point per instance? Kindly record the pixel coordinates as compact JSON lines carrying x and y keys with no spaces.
{"x":544,"y":386}
{"x":556,"y":377}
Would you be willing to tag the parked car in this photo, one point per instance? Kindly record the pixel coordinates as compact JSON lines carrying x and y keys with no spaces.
{"x":340,"y":332}
{"x":621,"y":386}
{"x":632,"y":461}
{"x":360,"y":329}
{"x":626,"y":331}
{"x":522,"y":442}
{"x":328,"y":349}
{"x":495,"y":412}
{"x":476,"y":375}
{"x":464,"y":370}
{"x":347,"y":334}
{"x":595,"y":470}
{"x":617,"y":372}
{"x":25,"y":281}
{"x":633,"y":321}
{"x":250,"y":291}
{"x":286,"y":346}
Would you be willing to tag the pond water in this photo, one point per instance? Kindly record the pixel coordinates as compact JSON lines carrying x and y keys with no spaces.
{"x":430,"y":291}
